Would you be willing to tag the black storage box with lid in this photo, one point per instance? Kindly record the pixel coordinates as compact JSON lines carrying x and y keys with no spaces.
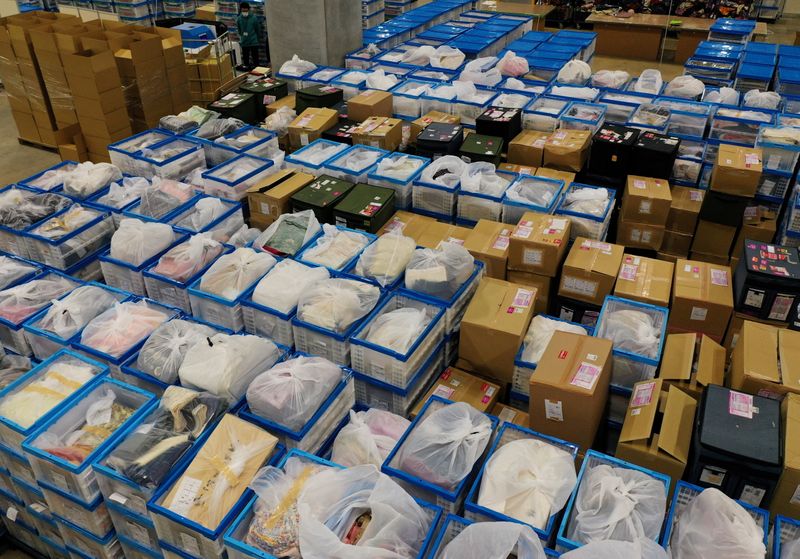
{"x":322,"y":195}
{"x":440,"y":138}
{"x":766,"y":284}
{"x":478,"y":147}
{"x":573,"y":311}
{"x":342,"y":132}
{"x":737,"y":445}
{"x":365,"y":207}
{"x":237,"y":105}
{"x":500,"y":121}
{"x":318,"y":97}
{"x":654,"y":155}
{"x":725,"y":209}
{"x":267,"y":91}
{"x":612,"y":151}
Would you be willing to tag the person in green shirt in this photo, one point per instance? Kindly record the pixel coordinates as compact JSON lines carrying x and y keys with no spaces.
{"x":249,"y":29}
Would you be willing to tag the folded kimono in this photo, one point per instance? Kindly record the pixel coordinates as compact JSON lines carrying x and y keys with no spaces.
{"x":184,"y":261}
{"x":67,"y":316}
{"x":233,"y":273}
{"x":21,"y":301}
{"x":162,"y":354}
{"x":122,"y":326}
{"x":283,"y":286}
{"x":335,"y":304}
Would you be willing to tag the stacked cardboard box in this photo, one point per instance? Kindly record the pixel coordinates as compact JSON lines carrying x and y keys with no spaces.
{"x":684,"y":211}
{"x":208,"y":75}
{"x":48,"y":41}
{"x":177,"y":71}
{"x":645,"y":209}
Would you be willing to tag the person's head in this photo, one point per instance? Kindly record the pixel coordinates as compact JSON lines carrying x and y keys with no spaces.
{"x":244,"y":7}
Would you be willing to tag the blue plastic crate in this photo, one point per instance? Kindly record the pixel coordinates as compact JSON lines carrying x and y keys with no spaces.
{"x":514,"y":207}
{"x":130,"y":277}
{"x":16,"y":270}
{"x":313,"y":157}
{"x":51,"y":179}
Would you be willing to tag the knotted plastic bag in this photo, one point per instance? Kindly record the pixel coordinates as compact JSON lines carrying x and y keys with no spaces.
{"x":122,"y":326}
{"x":714,"y":525}
{"x":400,"y":168}
{"x":611,"y":79}
{"x":381,"y":80}
{"x":723,"y":96}
{"x":575,"y":72}
{"x":495,"y":540}
{"x":283,"y":286}
{"x":21,"y":301}
{"x":513,"y":65}
{"x":67,"y":316}
{"x":291,"y":392}
{"x":447,"y":57}
{"x":296,"y":66}
{"x":204,"y":213}
{"x":762,"y":99}
{"x":368,"y":438}
{"x":687,"y":87}
{"x":633,"y":331}
{"x":618,"y":504}
{"x":244,"y":236}
{"x":482,"y":71}
{"x":529,"y":480}
{"x":359,"y":513}
{"x":280,"y":120}
{"x":639,"y":549}
{"x":445,"y":171}
{"x":163,"y":352}
{"x":289,"y":233}
{"x":541,"y":331}
{"x":439,"y":272}
{"x":124,"y":192}
{"x":386,"y":258}
{"x":234,"y":272}
{"x":397,"y":330}
{"x":182,"y":262}
{"x":420,"y":56}
{"x":213,"y":129}
{"x":649,"y":81}
{"x":335,"y":304}
{"x":137,"y":241}
{"x":335,"y":247}
{"x":481,"y":178}
{"x":444,"y":447}
{"x":87,"y":178}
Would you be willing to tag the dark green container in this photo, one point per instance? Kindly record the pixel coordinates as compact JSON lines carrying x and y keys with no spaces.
{"x":267,"y":91}
{"x":317,"y":96}
{"x":365,"y":207}
{"x":478,"y":147}
{"x":237,"y":105}
{"x":321,"y":196}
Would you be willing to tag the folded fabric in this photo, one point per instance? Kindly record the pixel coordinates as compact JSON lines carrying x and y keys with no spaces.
{"x":540,"y":332}
{"x":122,"y":326}
{"x":12,"y":270}
{"x":21,"y":301}
{"x":87,"y":178}
{"x":243,"y":236}
{"x":639,"y":549}
{"x":163,"y":196}
{"x":162,"y":354}
{"x":335,"y":304}
{"x":214,"y":128}
{"x":319,"y":152}
{"x":137,"y":241}
{"x":234,"y":272}
{"x":177,"y":124}
{"x":386,"y":258}
{"x":19,"y":209}
{"x":439,"y":272}
{"x":283,"y":286}
{"x":762,"y":99}
{"x":198,"y":114}
{"x":357,"y":159}
{"x":184,"y":261}
{"x":368,"y":438}
{"x":397,"y":330}
{"x":335,"y":247}
{"x":13,"y":367}
{"x":67,"y":316}
{"x":289,"y":233}
{"x":495,"y":540}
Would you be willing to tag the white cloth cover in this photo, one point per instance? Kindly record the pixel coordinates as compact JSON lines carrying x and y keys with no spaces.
{"x":291,"y":392}
{"x":618,"y":504}
{"x":714,"y":525}
{"x":87,"y":178}
{"x":122,"y":326}
{"x":381,"y":80}
{"x":444,"y":447}
{"x":513,"y":65}
{"x":790,"y":550}
{"x":67,"y":316}
{"x":613,"y":79}
{"x":335,"y":247}
{"x":480,"y":177}
{"x":529,"y":480}
{"x":136,"y":241}
{"x":234,"y":272}
{"x":283,"y":286}
{"x":482,"y":71}
{"x":723,"y":96}
{"x":649,"y":81}
{"x":575,"y":71}
{"x":541,"y":331}
{"x":762,"y":99}
{"x":163,"y":352}
{"x":296,"y":66}
{"x":439,"y":272}
{"x":335,"y":304}
{"x":386,"y":258}
{"x":639,"y":549}
{"x":333,"y":499}
{"x":685,"y":86}
{"x":445,"y":171}
{"x":495,"y":540}
{"x":368,"y":438}
{"x":235,"y":361}
{"x":633,"y":331}
{"x":397,"y":330}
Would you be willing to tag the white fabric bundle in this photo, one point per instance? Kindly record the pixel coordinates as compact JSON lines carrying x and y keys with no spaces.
{"x":541,"y":331}
{"x":513,"y":65}
{"x":397,"y":330}
{"x":445,"y":171}
{"x":419,"y":56}
{"x":205,"y":212}
{"x":639,"y":549}
{"x":335,"y":304}
{"x":291,"y":392}
{"x":790,"y":550}
{"x":386,"y":258}
{"x":532,"y":190}
{"x":529,"y":480}
{"x":334,"y":499}
{"x":723,"y":96}
{"x":762,"y":99}
{"x":444,"y":447}
{"x":511,"y":100}
{"x":612,"y":79}
{"x":618,"y":504}
{"x":336,"y":247}
{"x":714,"y":525}
{"x":122,"y":326}
{"x":296,"y":67}
{"x":447,"y":57}
{"x":587,"y":93}
{"x":358,"y":159}
{"x":280,"y":120}
{"x":480,"y":177}
{"x":439,"y":272}
{"x":283,"y":286}
{"x":482,"y":71}
{"x":235,"y":361}
{"x":495,"y":540}
{"x":400,"y":168}
{"x":234,"y":272}
{"x":368,"y":438}
{"x":87,"y":178}
{"x":575,"y":71}
{"x":68,"y":315}
{"x":187,"y":259}
{"x":163,"y":352}
{"x":137,"y":241}
{"x":519,"y":85}
{"x":687,"y":87}
{"x":381,"y":80}
{"x":124,"y":192}
{"x":632,"y":331}
{"x":649,"y":81}
{"x":586,"y":200}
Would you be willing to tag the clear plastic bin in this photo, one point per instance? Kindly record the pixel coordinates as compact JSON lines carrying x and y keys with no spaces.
{"x":221,"y":228}
{"x":470,"y":110}
{"x":474,"y":206}
{"x":172,"y":159}
{"x":17,"y":465}
{"x":26,"y":270}
{"x":231,"y":179}
{"x":217,"y":310}
{"x":84,"y":545}
{"x":132,"y":10}
{"x":402,"y":185}
{"x":355,"y":163}
{"x":439,"y":98}
{"x":123,"y":153}
{"x":407,"y":98}
{"x":29,"y":493}
{"x":127,"y":277}
{"x":44,"y":523}
{"x":38,"y":182}
{"x":12,"y":240}
{"x":351,"y":83}
{"x":649,"y":117}
{"x":591,"y":226}
{"x":362,"y":58}
{"x":435,"y":199}
{"x":778,"y":157}
{"x":134,"y":527}
{"x":93,"y":517}
{"x":267,"y":322}
{"x":739,"y":126}
{"x":311,"y":339}
{"x":583,"y":116}
{"x":69,"y":249}
{"x":311,"y":158}
{"x":786,"y":530}
{"x":226,"y":147}
{"x":25,"y":534}
{"x":543,"y":114}
{"x":550,"y":190}
{"x":132,"y":550}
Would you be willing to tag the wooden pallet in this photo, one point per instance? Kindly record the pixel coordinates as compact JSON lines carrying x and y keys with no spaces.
{"x":37,"y":144}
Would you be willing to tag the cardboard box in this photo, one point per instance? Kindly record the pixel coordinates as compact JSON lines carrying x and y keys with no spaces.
{"x":766,"y":361}
{"x":369,"y":103}
{"x":737,"y":170}
{"x":760,"y":224}
{"x":26,"y":126}
{"x":410,"y":224}
{"x":379,"y":132}
{"x":287,"y":101}
{"x":494,"y":326}
{"x":508,"y":414}
{"x":570,"y":388}
{"x":108,"y":103}
{"x":521,"y":169}
{"x":647,"y":200}
{"x":422,"y":122}
{"x":713,"y":238}
{"x":731,"y":339}
{"x":710,"y":258}
{"x":527,"y":148}
{"x":115,"y":121}
{"x":645,"y":279}
{"x":436,"y":233}
{"x":565,"y":176}
{"x":684,"y":210}
{"x":640,"y":235}
{"x":567,"y":150}
{"x":461,"y":386}
{"x":786,"y":498}
{"x":590,"y":270}
{"x":488,"y":242}
{"x":543,"y":285}
{"x":657,"y":431}
{"x":270,"y":198}
{"x":538,"y":244}
{"x":677,"y":244}
{"x":309,"y":126}
{"x":691,"y":364}
{"x":702,"y":298}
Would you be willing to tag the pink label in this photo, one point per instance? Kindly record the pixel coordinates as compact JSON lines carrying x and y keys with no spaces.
{"x":523,"y":232}
{"x":639,"y":184}
{"x":586,"y":376}
{"x":740,"y":404}
{"x":501,"y":242}
{"x":560,"y":135}
{"x":596,"y":244}
{"x":444,"y":391}
{"x":696,"y":195}
{"x":628,"y":272}
{"x":303,"y":122}
{"x":752,"y":159}
{"x":642,"y":394}
{"x":719,"y":277}
{"x":523,"y":298}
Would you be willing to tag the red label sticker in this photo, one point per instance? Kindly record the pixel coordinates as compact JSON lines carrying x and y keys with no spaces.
{"x":563,"y":354}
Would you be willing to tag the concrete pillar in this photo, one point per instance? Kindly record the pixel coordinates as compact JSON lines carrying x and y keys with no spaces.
{"x":321,"y":31}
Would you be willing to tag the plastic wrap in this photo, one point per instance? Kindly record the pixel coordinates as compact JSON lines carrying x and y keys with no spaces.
{"x":575,"y":92}
{"x":234,"y":272}
{"x":52,"y":178}
{"x":213,"y":129}
{"x":67,"y":316}
{"x":280,"y":120}
{"x":137,"y":241}
{"x":198,"y":114}
{"x":123,"y":192}
{"x":687,"y":87}
{"x":283,"y":286}
{"x":296,"y":67}
{"x":610,"y":79}
{"x":289,"y":233}
{"x":87,"y":178}
{"x":439,"y":272}
{"x":162,"y":354}
{"x":121,"y":327}
{"x":12,"y":367}
{"x":204,"y":213}
{"x":447,"y":57}
{"x":21,"y":301}
{"x":723,"y":96}
{"x":19,"y":209}
{"x":243,"y":236}
{"x":649,"y":81}
{"x":400,"y":168}
{"x":386,"y":258}
{"x":445,"y":171}
{"x":177,"y":124}
{"x":618,"y":504}
{"x":336,"y":247}
{"x":163,"y":196}
{"x":632,"y":331}
{"x":381,"y":80}
{"x":236,"y":360}
{"x":533,"y":191}
{"x":12,"y":270}
{"x":481,"y":178}
{"x":528,"y":480}
{"x":444,"y":447}
{"x":589,"y":201}
{"x":495,"y":540}
{"x":335,"y":304}
{"x":368,"y":438}
{"x":639,"y":549}
{"x":513,"y":65}
{"x":419,"y":56}
{"x":184,"y":261}
{"x":785,"y":135}
{"x":397,"y":330}
{"x":358,"y":159}
{"x":574,"y":72}
{"x":291,"y":392}
{"x":762,"y":99}
{"x":540,"y":332}
{"x":482,"y":71}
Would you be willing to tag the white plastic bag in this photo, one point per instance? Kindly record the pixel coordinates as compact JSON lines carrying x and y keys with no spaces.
{"x":87,"y":178}
{"x":762,"y":99}
{"x":400,"y":168}
{"x":334,"y":499}
{"x":447,"y":57}
{"x":21,"y":301}
{"x":280,"y":120}
{"x":68,"y":315}
{"x":513,"y":65}
{"x":187,"y":259}
{"x":445,"y":171}
{"x":723,"y":96}
{"x":420,"y":56}
{"x":244,"y":236}
{"x":213,"y":129}
{"x":205,"y":212}
{"x":386,"y":258}
{"x":335,"y":304}
{"x":714,"y":525}
{"x":368,"y":438}
{"x":335,"y":248}
{"x":122,"y":326}
{"x":575,"y":92}
{"x":611,"y":79}
{"x":124,"y":192}
{"x":481,"y":178}
{"x":649,"y":81}
{"x":482,"y":71}
{"x":291,"y":392}
{"x":618,"y":504}
{"x":632,"y":331}
{"x":235,"y":361}
{"x":444,"y":447}
{"x":381,"y":80}
{"x":137,"y":241}
{"x":296,"y":67}
{"x":234,"y":272}
{"x":283,"y":286}
{"x":12,"y":270}
{"x":533,"y":191}
{"x":687,"y":87}
{"x":439,"y":272}
{"x":575,"y":72}
{"x":541,"y":331}
{"x":397,"y":330}
{"x":163,"y":352}
{"x":289,"y":233}
{"x":495,"y":540}
{"x":639,"y":549}
{"x":529,"y":480}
